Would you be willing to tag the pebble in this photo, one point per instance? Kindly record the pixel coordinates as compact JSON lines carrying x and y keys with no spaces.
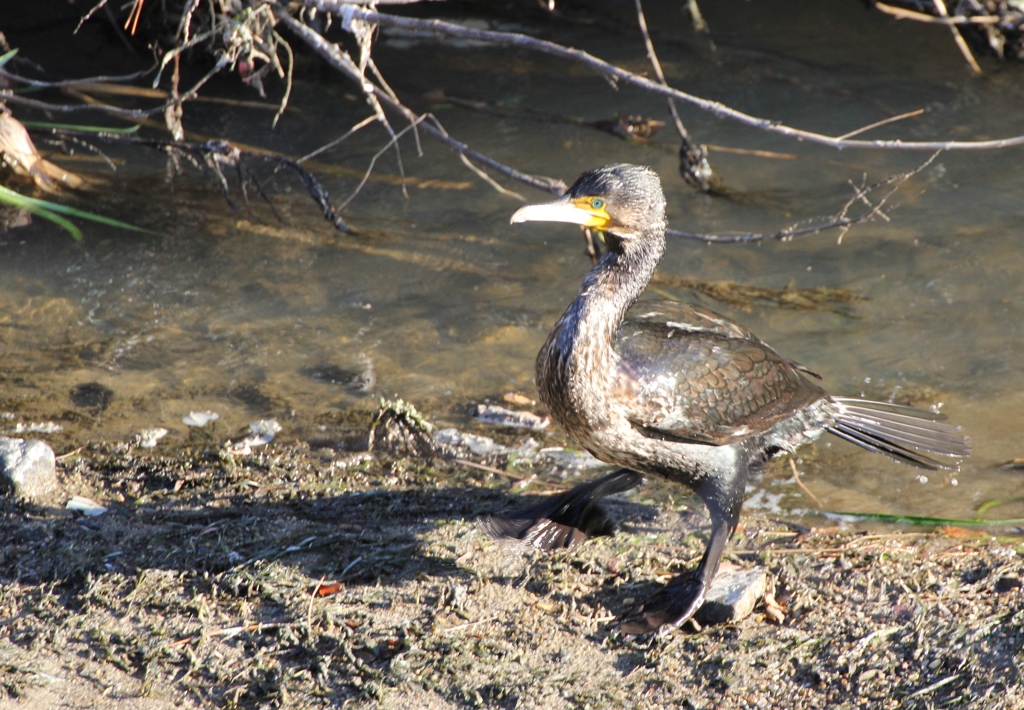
{"x":479,"y":445}
{"x":733,"y":594}
{"x":28,"y":469}
{"x":86,"y":506}
{"x":199,"y":419}
{"x":500,"y":416}
{"x":262,"y":432}
{"x":148,"y":438}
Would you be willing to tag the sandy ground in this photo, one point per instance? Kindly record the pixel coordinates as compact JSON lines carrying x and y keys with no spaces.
{"x":201,"y":587}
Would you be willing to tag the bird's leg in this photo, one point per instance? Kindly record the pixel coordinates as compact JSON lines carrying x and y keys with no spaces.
{"x":682,"y":597}
{"x":567,"y":519}
{"x":677,"y":601}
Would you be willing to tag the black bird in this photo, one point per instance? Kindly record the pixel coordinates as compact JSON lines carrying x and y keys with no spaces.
{"x":678,"y":391}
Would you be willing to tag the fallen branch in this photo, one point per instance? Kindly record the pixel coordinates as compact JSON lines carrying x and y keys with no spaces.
{"x":840,"y":220}
{"x":904,"y":14}
{"x":961,"y":43}
{"x":340,"y":60}
{"x":612,"y":73}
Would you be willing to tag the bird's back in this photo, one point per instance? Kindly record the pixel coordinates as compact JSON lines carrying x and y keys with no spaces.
{"x":693,"y":376}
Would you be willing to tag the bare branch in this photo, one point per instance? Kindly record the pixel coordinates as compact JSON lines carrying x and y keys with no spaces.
{"x":883,"y":122}
{"x":961,"y":43}
{"x":341,"y":61}
{"x":693,"y":157}
{"x":614,"y":73}
{"x":904,"y":14}
{"x":839,"y":220}
{"x":327,"y":146}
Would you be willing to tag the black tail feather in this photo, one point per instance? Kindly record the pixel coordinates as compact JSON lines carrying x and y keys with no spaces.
{"x":567,"y":519}
{"x":899,"y":432}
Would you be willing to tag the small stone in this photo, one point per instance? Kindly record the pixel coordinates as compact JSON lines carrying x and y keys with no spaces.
{"x":733,"y":594}
{"x":199,"y":419}
{"x":500,"y":416}
{"x":86,"y":506}
{"x":28,"y":469}
{"x":148,"y":438}
{"x":479,"y":445}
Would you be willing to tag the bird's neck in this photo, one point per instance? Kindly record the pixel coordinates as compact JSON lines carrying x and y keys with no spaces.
{"x":611,"y":287}
{"x":580,"y":346}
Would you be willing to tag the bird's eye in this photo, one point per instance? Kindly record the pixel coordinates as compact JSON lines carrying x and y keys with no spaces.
{"x":597,"y":203}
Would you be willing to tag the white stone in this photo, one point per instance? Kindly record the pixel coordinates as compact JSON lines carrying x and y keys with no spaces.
{"x":28,"y":468}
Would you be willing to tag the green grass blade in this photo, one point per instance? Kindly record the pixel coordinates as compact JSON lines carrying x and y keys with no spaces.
{"x":52,"y":210}
{"x":33,"y":204}
{"x":927,"y":520}
{"x":7,"y":56}
{"x":81,"y":129}
{"x":15,"y":199}
{"x":67,"y":224}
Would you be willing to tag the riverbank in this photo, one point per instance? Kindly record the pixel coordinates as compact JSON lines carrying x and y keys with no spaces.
{"x":316,"y":577}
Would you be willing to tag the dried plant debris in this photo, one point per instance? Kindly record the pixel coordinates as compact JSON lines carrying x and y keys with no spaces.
{"x":19,"y":154}
{"x":398,"y":428}
{"x":501,"y":416}
{"x":281,"y":579}
{"x":820,"y":298}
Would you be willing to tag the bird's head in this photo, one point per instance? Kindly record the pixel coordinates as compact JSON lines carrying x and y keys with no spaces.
{"x":623,"y":200}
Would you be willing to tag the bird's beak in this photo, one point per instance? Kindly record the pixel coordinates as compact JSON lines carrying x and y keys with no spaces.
{"x":564,"y":210}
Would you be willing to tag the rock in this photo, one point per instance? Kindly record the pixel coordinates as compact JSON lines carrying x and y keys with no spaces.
{"x":86,"y":506}
{"x":733,"y":594}
{"x":500,"y":416}
{"x":28,"y":469}
{"x":479,"y":445}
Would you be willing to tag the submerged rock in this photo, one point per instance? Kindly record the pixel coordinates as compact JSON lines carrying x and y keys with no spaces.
{"x":199,"y":419}
{"x":28,"y":469}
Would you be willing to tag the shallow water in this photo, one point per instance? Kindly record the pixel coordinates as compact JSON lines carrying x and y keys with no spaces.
{"x":443,"y":303}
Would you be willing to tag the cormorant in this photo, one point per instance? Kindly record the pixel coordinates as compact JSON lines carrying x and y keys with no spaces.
{"x":677,"y":391}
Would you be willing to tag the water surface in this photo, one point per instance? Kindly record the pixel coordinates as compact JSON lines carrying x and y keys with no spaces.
{"x":440,"y":301}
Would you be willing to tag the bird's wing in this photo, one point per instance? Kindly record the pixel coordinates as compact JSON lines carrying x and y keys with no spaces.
{"x":696,"y":377}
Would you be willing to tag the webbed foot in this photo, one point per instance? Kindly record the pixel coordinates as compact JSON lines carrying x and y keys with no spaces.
{"x":668,"y":608}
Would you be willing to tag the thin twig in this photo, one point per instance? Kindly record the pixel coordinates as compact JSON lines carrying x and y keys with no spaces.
{"x":312,"y":598}
{"x":614,"y":74}
{"x":231,"y":631}
{"x":840,"y":220}
{"x":693,"y":157}
{"x":884,"y":121}
{"x":458,"y":627}
{"x":340,"y":60}
{"x":904,"y":14}
{"x":359,"y":126}
{"x":961,"y":43}
{"x":934,"y":686}
{"x":489,"y":180}
{"x":373,"y":160}
{"x":800,"y":483}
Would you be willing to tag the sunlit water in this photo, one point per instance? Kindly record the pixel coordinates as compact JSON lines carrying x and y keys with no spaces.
{"x":443,"y":303}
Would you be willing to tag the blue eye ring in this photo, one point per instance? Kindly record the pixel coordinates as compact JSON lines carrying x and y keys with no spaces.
{"x":597,"y":203}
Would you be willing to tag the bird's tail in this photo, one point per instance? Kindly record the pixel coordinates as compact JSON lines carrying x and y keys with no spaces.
{"x":899,"y":432}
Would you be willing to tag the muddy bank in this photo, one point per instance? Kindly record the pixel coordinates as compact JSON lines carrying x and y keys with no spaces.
{"x":206,"y":583}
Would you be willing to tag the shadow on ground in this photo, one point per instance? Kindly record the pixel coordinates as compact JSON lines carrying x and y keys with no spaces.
{"x":200,"y":586}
